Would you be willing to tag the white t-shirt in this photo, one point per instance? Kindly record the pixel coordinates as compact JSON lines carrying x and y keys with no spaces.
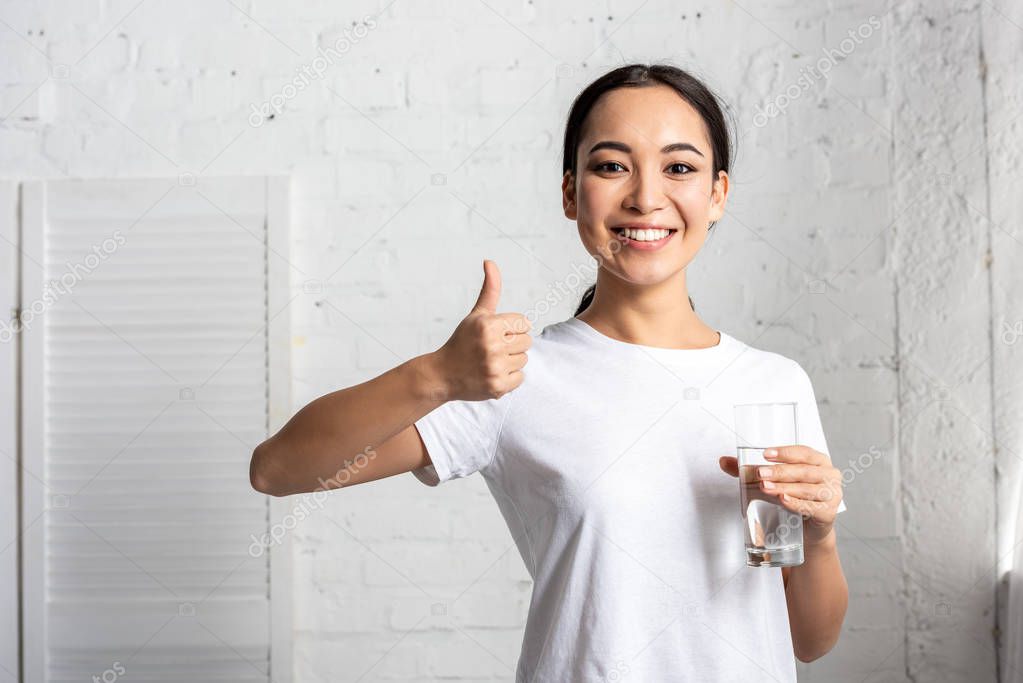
{"x":604,"y":464}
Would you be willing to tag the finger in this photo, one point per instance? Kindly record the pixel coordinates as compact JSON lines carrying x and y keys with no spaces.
{"x":518,"y":343}
{"x":729,"y":465}
{"x":814,"y":492}
{"x":514,"y":323}
{"x":796,"y":453}
{"x":517,"y":361}
{"x":517,"y":378}
{"x":813,"y":474}
{"x":808,"y":508}
{"x":490,"y":292}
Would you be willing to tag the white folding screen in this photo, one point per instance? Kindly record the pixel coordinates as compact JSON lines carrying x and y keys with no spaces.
{"x":9,"y":639}
{"x":154,"y":358}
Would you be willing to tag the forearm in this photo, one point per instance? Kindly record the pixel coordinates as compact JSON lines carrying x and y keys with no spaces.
{"x":329,"y":433}
{"x":817,"y":596}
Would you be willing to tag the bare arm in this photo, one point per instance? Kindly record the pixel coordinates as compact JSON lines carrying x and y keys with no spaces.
{"x":817,"y":596}
{"x":367,"y":431}
{"x":354,"y":435}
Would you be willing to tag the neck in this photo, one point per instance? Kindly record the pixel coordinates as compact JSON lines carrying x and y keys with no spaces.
{"x":653,"y":315}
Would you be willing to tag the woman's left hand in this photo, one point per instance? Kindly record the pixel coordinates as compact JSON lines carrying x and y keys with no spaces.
{"x":804,"y":481}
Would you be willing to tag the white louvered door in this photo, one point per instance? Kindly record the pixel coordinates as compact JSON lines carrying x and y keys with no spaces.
{"x":9,"y":636}
{"x":149,"y":374}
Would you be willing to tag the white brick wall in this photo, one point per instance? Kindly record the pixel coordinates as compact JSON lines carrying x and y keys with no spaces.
{"x":396,"y":581}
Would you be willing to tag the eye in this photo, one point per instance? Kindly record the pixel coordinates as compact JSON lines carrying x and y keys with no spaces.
{"x":608,"y":164}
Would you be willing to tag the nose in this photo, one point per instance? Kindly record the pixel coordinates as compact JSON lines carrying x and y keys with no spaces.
{"x":645,"y":192}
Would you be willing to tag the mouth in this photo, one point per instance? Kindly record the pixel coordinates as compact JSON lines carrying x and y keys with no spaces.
{"x":646,"y":238}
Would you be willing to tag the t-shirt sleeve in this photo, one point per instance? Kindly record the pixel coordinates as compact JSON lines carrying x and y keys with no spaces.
{"x":461,"y":437}
{"x":811,"y":431}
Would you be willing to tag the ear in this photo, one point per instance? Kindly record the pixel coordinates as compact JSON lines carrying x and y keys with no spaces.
{"x":568,"y":195}
{"x":718,"y":196}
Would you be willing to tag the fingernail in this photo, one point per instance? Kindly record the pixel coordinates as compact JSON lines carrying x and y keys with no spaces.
{"x":771,"y":453}
{"x":764,"y":471}
{"x":768,"y":484}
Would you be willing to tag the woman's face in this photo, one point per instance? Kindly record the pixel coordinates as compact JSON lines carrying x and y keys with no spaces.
{"x":625,"y":176}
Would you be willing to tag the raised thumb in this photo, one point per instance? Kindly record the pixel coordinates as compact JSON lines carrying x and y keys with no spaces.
{"x":491,"y":290}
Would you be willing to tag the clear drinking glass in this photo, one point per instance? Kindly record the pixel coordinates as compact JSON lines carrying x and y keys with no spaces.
{"x":774,"y":535}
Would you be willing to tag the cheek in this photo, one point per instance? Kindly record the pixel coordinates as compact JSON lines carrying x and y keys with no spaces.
{"x":693,"y":199}
{"x":592,"y":198}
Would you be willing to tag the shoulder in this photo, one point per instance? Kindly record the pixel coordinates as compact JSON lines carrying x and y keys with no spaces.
{"x":556,"y":333}
{"x":751,"y":359}
{"x":554,"y":339}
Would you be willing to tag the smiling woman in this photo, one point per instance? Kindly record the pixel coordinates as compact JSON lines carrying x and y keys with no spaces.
{"x":700,"y":164}
{"x":603,"y":454}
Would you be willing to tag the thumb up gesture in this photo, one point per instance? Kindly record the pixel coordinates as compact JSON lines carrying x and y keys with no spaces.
{"x":483,"y":358}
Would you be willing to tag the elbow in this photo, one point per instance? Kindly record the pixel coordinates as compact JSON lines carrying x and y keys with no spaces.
{"x":259,"y":479}
{"x":808,"y":655}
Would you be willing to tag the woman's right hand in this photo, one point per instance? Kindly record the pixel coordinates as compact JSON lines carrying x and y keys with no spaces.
{"x":482,"y":360}
{"x":484,"y":356}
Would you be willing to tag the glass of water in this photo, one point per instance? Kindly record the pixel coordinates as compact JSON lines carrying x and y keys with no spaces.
{"x":774,"y":535}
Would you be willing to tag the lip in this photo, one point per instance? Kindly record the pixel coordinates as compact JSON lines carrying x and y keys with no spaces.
{"x":644,"y":246}
{"x":642,"y":226}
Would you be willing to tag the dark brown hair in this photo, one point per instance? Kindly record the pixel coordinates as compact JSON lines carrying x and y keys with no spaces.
{"x":689,"y":88}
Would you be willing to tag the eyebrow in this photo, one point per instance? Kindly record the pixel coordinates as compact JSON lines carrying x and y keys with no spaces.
{"x":667,"y":149}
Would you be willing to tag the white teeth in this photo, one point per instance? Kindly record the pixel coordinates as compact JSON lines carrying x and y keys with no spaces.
{"x":645,"y":235}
